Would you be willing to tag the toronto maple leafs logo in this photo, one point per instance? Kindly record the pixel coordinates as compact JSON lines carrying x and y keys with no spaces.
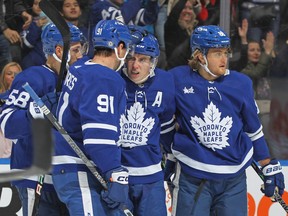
{"x":134,"y":128}
{"x":212,"y":131}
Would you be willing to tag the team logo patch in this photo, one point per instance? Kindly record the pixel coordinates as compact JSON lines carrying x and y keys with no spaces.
{"x":135,"y":128}
{"x":188,"y":90}
{"x":212,"y":131}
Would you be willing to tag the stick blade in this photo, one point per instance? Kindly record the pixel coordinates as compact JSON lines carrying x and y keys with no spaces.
{"x":42,"y":153}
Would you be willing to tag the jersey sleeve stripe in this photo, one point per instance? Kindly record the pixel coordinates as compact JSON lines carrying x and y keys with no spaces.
{"x":142,"y":171}
{"x":99,"y":141}
{"x":4,"y":112}
{"x":5,"y":119}
{"x":99,"y":126}
{"x":255,"y":133}
{"x":67,"y":160}
{"x":258,"y":134}
{"x":168,"y":130}
{"x":168,"y":122}
{"x":140,"y":17}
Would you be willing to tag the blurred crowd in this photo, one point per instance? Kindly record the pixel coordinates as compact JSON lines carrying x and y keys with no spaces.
{"x":171,"y":21}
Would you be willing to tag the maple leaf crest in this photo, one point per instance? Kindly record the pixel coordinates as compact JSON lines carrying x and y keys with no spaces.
{"x":212,"y":132}
{"x":188,"y":90}
{"x":135,"y":128}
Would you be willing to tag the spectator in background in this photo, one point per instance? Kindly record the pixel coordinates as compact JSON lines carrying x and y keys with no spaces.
{"x":259,"y":62}
{"x":210,"y":12}
{"x":257,"y":68}
{"x":164,"y":11}
{"x":253,"y":61}
{"x":71,"y":11}
{"x":279,"y":66}
{"x":159,"y":32}
{"x":85,"y":6}
{"x":178,"y":28}
{"x":8,"y":73}
{"x":32,"y":45}
{"x":5,"y":35}
{"x":262,"y":16}
{"x":241,"y":62}
{"x":17,"y":19}
{"x":129,"y":12}
{"x":283,"y":29}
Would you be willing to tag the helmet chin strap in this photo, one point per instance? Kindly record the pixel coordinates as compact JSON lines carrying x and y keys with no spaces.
{"x":59,"y":60}
{"x":205,"y":67}
{"x":122,"y":60}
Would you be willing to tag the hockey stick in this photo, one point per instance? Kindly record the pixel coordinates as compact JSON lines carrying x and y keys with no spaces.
{"x":276,"y":195}
{"x":42,"y":144}
{"x":51,"y":11}
{"x":69,"y":140}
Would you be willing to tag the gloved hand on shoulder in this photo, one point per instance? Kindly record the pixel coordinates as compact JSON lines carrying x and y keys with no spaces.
{"x":273,"y":179}
{"x":51,"y":101}
{"x":117,"y":183}
{"x":170,"y":166}
{"x":34,"y":111}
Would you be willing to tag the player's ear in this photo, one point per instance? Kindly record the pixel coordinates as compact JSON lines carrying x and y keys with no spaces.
{"x":201,"y":58}
{"x":121,"y":50}
{"x":59,"y":51}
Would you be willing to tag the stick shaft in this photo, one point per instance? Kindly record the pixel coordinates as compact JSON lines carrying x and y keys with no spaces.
{"x":69,"y":140}
{"x":51,"y":11}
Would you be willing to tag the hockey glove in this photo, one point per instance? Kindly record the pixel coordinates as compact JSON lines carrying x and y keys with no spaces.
{"x":51,"y":101}
{"x":273,"y":179}
{"x":117,"y":183}
{"x":169,"y":169}
{"x":34,"y":111}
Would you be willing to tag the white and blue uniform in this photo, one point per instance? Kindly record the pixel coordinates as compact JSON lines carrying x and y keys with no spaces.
{"x":32,"y":40}
{"x":149,"y":121}
{"x":33,"y":48}
{"x":131,"y":12}
{"x":15,"y":125}
{"x":92,"y":100}
{"x":219,"y":132}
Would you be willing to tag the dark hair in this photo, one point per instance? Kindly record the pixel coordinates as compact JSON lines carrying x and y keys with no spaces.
{"x":59,"y":4}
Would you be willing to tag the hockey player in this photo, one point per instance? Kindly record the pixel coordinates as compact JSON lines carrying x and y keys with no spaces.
{"x":219,"y":132}
{"x":92,"y":100}
{"x":19,"y":109}
{"x":148,"y":122}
